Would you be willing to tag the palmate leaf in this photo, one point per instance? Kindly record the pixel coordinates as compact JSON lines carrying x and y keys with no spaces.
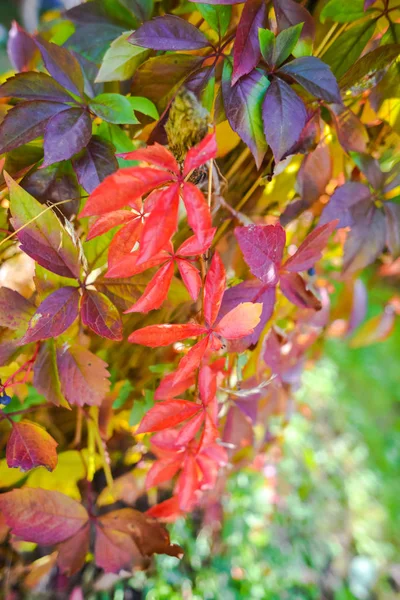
{"x":113,"y":108}
{"x":21,"y":48}
{"x":121,"y":60}
{"x":218,"y":17}
{"x":15,"y":310}
{"x":289,"y":13}
{"x":341,"y":11}
{"x":100,"y":315}
{"x":35,"y":86}
{"x":315,"y":76}
{"x":96,"y":162}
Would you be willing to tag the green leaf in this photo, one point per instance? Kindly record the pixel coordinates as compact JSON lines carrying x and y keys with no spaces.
{"x":42,"y":237}
{"x":117,"y":136}
{"x":343,"y":11}
{"x":267,"y":45}
{"x":96,"y":250}
{"x":217,"y":16}
{"x":113,"y":108}
{"x":369,"y":64}
{"x":121,"y":60}
{"x":286,"y":42}
{"x":140,"y":408}
{"x":144,"y":106}
{"x":348,"y":47}
{"x":123,"y":395}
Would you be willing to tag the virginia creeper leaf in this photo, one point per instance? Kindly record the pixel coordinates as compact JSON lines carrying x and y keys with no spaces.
{"x":121,"y":60}
{"x":66,"y":134}
{"x":262,"y":247}
{"x":100,"y":315}
{"x":164,"y":335}
{"x":34,"y":86}
{"x":289,"y":13}
{"x":62,"y":65}
{"x":310,"y":251}
{"x":46,"y":378}
{"x":218,"y":17}
{"x":55,"y":314}
{"x":169,"y":33}
{"x":167,"y":414}
{"x":113,"y":108}
{"x":95,"y":163}
{"x":294,"y":288}
{"x":315,"y":76}
{"x":15,"y":310}
{"x":240,"y":321}
{"x":247,"y":54}
{"x":21,"y":48}
{"x":214,"y":289}
{"x":30,"y":446}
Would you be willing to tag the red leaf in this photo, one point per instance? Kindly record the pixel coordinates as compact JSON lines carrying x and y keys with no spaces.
{"x":167,"y":511}
{"x":191,"y":361}
{"x":45,"y":517}
{"x":161,"y":224}
{"x":240,"y":321}
{"x":55,"y":314}
{"x":156,"y":291}
{"x":247,"y":52}
{"x":162,"y":470}
{"x":198,"y":212}
{"x":214,"y":289}
{"x":192,"y":246}
{"x":169,"y":389}
{"x":310,"y":251}
{"x":155,"y":155}
{"x":188,"y":484}
{"x":164,"y":335}
{"x":121,"y":188}
{"x":200,"y":154}
{"x":126,"y":266}
{"x":108,"y":221}
{"x":83,"y":375}
{"x":167,"y":414}
{"x":190,"y":429}
{"x":294,"y":288}
{"x":123,"y":242}
{"x":262,"y":247}
{"x":100,"y":315}
{"x":207,"y":385}
{"x":30,"y":446}
{"x":72,"y":553}
{"x":190,"y":277}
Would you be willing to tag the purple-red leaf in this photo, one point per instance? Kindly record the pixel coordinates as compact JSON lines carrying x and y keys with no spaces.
{"x":247,"y":54}
{"x":392,"y":211}
{"x":26,"y":122}
{"x":21,"y":48}
{"x":214,"y":289}
{"x":83,"y":375}
{"x":169,"y":33}
{"x":167,"y":414}
{"x":100,"y":315}
{"x":30,"y":446}
{"x":55,"y":314}
{"x":46,"y":378}
{"x":15,"y":310}
{"x":66,"y":134}
{"x":95,"y":163}
{"x":262,"y":247}
{"x":42,"y":516}
{"x":289,"y":12}
{"x":366,"y":239}
{"x":34,"y":86}
{"x":315,"y":76}
{"x":284,"y":116}
{"x":62,"y":65}
{"x":294,"y":288}
{"x":200,"y":154}
{"x":310,"y":251}
{"x":343,"y":200}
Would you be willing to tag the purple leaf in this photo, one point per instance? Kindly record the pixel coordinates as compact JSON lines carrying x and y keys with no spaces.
{"x":26,"y":122}
{"x":34,"y":86}
{"x":21,"y":48}
{"x":54,"y":184}
{"x":248,"y":291}
{"x":284,"y":116}
{"x":42,"y":237}
{"x":169,"y":33}
{"x":7,"y":349}
{"x":62,"y":65}
{"x":55,"y":314}
{"x":343,"y":199}
{"x":262,"y":247}
{"x":247,"y":54}
{"x":46,"y":379}
{"x":371,"y":169}
{"x":351,"y":132}
{"x":95,"y":163}
{"x":290,"y":13}
{"x":392,"y":211}
{"x":315,"y":76}
{"x":367,"y":237}
{"x":221,"y":1}
{"x":243,"y":106}
{"x":368,"y":3}
{"x":66,"y":134}
{"x":294,"y":288}
{"x":100,"y":315}
{"x":83,"y":376}
{"x":15,"y":310}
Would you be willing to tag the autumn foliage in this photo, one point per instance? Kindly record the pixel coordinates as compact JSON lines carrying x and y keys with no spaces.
{"x":188,"y":240}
